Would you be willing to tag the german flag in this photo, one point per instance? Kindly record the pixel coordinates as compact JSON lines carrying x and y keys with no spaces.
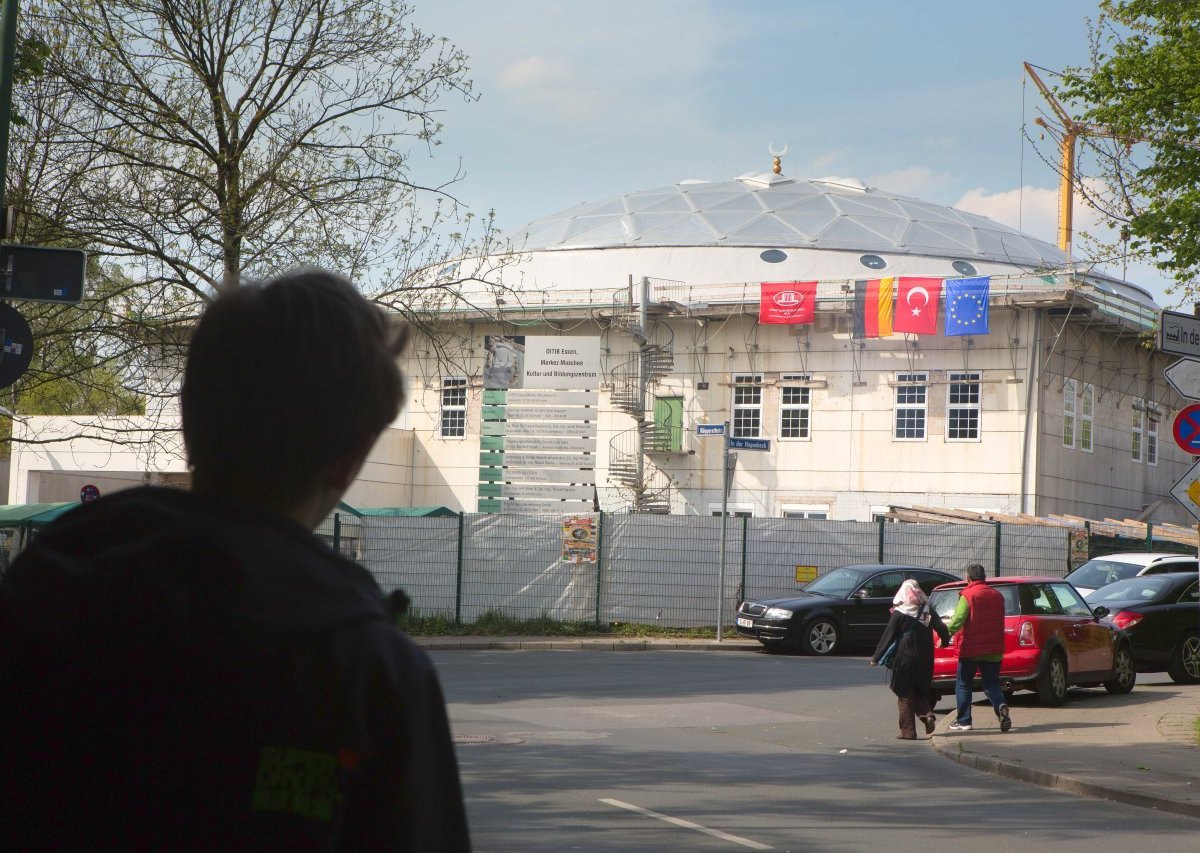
{"x":873,"y":308}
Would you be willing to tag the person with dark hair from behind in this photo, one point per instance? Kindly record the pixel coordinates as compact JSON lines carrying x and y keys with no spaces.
{"x":980,"y":617}
{"x":195,"y":669}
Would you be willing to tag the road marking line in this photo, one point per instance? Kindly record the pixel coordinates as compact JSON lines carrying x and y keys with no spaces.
{"x":687,"y":824}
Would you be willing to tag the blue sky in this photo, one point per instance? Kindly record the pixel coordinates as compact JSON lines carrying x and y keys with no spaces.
{"x":584,"y":101}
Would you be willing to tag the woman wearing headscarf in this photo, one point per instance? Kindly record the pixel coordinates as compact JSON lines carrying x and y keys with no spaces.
{"x":911,"y":625}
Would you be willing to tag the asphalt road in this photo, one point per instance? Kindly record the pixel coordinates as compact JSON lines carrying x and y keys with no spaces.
{"x":717,"y":751}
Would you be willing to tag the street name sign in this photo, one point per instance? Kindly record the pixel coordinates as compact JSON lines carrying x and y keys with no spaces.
{"x":750,"y":443}
{"x":1187,"y":428}
{"x":1178,"y":333}
{"x":710,"y":429}
{"x":1184,"y":377}
{"x":1187,"y":491}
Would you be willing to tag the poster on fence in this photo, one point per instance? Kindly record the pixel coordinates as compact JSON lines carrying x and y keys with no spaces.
{"x":579,"y":539}
{"x":1079,"y":548}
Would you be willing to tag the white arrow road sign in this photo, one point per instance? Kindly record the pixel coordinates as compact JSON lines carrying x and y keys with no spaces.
{"x":1187,"y":491}
{"x":1184,"y":377}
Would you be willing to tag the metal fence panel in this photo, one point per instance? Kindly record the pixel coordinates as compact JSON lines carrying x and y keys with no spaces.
{"x":418,"y":554}
{"x":949,"y":547}
{"x":776,"y":546}
{"x":662,"y":570}
{"x":1027,"y":549}
{"x":513,"y":563}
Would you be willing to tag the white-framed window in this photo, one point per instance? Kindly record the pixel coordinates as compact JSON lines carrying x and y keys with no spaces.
{"x":1070,"y":413}
{"x":912,"y":395}
{"x":1152,"y":437}
{"x":795,"y":412}
{"x":962,"y":406}
{"x":747,"y":405}
{"x":732,"y":510}
{"x":1136,"y":442}
{"x":812,"y":511}
{"x":879,"y":513}
{"x":454,"y":407}
{"x":1087,"y":413}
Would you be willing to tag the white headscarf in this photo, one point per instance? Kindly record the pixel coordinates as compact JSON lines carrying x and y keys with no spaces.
{"x":910,"y":598}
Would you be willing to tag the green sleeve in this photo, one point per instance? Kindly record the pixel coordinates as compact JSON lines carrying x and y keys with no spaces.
{"x":960,"y":615}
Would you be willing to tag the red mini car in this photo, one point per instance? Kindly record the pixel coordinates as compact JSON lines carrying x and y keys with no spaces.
{"x":1052,"y":641}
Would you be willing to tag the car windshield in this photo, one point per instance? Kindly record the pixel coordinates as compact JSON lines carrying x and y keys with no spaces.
{"x":1101,"y":572}
{"x":837,"y":584}
{"x":1135,"y":589}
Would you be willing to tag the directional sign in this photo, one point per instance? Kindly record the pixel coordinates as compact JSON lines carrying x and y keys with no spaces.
{"x":1187,"y":491}
{"x":1179,"y":333}
{"x":710,"y":429}
{"x":1184,"y":377}
{"x":758,"y":444}
{"x":1187,"y":428}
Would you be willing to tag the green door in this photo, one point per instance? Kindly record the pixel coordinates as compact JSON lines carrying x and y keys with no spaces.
{"x":668,"y":424}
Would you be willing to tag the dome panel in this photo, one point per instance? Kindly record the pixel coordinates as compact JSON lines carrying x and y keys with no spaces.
{"x":787,"y":213}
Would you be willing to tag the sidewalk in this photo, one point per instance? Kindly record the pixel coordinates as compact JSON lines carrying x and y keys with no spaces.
{"x":1139,"y":749}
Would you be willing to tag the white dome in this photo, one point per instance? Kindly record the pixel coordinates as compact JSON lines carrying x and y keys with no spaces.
{"x":773,"y":211}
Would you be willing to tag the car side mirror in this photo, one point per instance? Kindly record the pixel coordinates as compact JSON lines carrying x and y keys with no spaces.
{"x":859,"y":594}
{"x":1100,"y":611}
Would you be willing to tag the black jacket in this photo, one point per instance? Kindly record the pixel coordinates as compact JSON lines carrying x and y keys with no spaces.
{"x":912,"y":666}
{"x":178,"y":671}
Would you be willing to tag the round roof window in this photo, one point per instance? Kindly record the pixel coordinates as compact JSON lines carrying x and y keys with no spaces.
{"x":964,"y":268}
{"x":872,"y":262}
{"x":774,"y":256}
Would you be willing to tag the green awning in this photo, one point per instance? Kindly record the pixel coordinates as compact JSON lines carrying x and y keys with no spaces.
{"x":409,"y":511}
{"x":33,"y":515}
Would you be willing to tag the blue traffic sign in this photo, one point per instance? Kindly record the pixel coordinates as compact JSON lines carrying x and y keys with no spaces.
{"x":752,"y":444}
{"x":1187,"y":428}
{"x":710,"y":429}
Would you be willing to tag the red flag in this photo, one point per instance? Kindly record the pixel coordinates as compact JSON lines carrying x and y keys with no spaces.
{"x":917,"y":305}
{"x":787,"y":302}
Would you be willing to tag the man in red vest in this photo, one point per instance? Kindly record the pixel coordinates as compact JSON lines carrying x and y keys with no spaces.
{"x":980,"y":617}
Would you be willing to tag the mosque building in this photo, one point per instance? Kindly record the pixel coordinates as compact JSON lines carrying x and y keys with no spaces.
{"x":859,"y":349}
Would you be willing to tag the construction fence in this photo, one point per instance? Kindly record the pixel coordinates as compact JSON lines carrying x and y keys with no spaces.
{"x":658,"y":569}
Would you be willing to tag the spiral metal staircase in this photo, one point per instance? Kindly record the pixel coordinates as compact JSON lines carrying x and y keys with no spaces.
{"x":647,"y":486}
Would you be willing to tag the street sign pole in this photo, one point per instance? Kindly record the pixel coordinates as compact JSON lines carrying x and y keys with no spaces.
{"x":724,"y":524}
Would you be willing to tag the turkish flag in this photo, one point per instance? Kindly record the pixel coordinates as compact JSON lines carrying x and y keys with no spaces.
{"x":787,"y":302}
{"x":917,"y":305}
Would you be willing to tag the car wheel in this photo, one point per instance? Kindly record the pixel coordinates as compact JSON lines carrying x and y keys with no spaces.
{"x":1185,"y":663}
{"x":1124,"y":674}
{"x":1052,"y":683}
{"x":821,"y":636}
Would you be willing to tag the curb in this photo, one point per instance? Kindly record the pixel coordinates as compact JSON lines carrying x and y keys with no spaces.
{"x":1061,"y":781}
{"x":474,"y":645}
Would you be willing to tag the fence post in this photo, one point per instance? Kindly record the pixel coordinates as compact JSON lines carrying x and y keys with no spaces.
{"x":1149,"y":535}
{"x":881,"y":534}
{"x":996,"y":558}
{"x":458,"y":573}
{"x":337,"y":532}
{"x":599,"y":561}
{"x":742,"y":586}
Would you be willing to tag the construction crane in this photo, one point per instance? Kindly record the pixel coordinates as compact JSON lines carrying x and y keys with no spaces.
{"x":1071,"y":131}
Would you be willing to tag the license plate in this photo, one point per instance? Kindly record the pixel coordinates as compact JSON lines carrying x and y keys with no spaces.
{"x":745,"y":623}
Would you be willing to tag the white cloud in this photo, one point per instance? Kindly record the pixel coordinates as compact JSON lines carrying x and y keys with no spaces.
{"x":1031,"y":210}
{"x":918,"y":181}
{"x":533,"y":71}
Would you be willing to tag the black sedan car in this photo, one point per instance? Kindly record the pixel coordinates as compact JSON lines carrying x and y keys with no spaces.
{"x":1161,"y":615}
{"x":846,"y":607}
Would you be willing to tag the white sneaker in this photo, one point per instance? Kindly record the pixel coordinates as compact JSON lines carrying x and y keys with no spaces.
{"x":956,"y":726}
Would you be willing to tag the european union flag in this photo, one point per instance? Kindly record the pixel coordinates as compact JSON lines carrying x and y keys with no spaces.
{"x":967,"y":305}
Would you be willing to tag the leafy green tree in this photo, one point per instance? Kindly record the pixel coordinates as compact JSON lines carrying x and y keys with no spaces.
{"x":1141,"y":92}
